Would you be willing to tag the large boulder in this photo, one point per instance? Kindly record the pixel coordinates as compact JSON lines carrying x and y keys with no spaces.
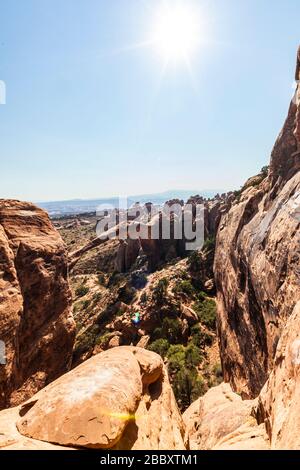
{"x":36,"y":323}
{"x":222,"y":421}
{"x":119,"y":399}
{"x":11,"y":439}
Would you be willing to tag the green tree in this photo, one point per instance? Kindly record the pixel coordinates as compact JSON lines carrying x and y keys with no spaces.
{"x":171,"y":330}
{"x":160,"y":346}
{"x":193,"y":356}
{"x":188,"y":387}
{"x":160,"y":291}
{"x":185,"y":287}
{"x":207,"y":312}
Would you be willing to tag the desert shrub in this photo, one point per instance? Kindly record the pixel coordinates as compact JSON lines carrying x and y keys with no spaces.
{"x":186,"y":383}
{"x":265,"y":170}
{"x":157,"y":333}
{"x":195,"y":262}
{"x":77,"y":307}
{"x":160,"y":346}
{"x":180,"y":356}
{"x":207,"y":312}
{"x":193,"y":356}
{"x":176,"y":358}
{"x":214,"y":375}
{"x":103,"y":339}
{"x":237,"y":194}
{"x":185,"y":287}
{"x":201,"y":296}
{"x":200,"y":338}
{"x":81,"y":291}
{"x":160,"y":291}
{"x":101,"y":279}
{"x":187,"y":387}
{"x":97,"y":297}
{"x":171,"y":330}
{"x":86,"y":303}
{"x":86,"y":341}
{"x":209,"y":244}
{"x":144,"y":298}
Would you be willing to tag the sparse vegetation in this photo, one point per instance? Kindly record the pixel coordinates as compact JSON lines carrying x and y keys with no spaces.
{"x":103,"y":340}
{"x":160,"y":291}
{"x":195,"y":262}
{"x":265,"y":170}
{"x":97,"y":297}
{"x":86,"y":341}
{"x":185,"y":379}
{"x":200,"y":338}
{"x":237,"y":194}
{"x":188,"y":386}
{"x":86,"y":303}
{"x":81,"y":291}
{"x":171,"y":330}
{"x":160,"y":346}
{"x":207,"y":312}
{"x":209,"y":244}
{"x":185,"y":288}
{"x":101,"y":279}
{"x":183,"y":347}
{"x":144,"y":298}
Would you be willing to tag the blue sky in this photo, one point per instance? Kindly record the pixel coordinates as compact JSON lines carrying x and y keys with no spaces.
{"x":87,"y":116}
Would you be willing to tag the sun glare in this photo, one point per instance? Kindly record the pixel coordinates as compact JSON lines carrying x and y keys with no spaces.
{"x":177,"y":31}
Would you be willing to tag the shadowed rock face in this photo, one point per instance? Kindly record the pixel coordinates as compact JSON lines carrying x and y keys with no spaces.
{"x":36,"y":322}
{"x":257,"y":267}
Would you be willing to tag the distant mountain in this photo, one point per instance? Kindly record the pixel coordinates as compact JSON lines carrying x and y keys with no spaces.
{"x":176,"y":194}
{"x":81,"y":206}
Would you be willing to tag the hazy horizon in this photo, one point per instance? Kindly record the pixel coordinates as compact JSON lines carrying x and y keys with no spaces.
{"x":187,"y":192}
{"x":95,"y":107}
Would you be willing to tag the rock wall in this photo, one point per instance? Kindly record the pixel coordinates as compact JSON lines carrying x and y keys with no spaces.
{"x":36,"y":323}
{"x":257,"y":267}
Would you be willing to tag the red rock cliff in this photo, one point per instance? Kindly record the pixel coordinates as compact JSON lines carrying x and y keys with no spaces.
{"x":36,"y":322}
{"x":257,"y":265}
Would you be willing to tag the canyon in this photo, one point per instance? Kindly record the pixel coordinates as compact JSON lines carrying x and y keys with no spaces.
{"x":80,"y":373}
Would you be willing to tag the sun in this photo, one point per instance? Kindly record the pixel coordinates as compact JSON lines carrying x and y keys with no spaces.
{"x":176,"y":31}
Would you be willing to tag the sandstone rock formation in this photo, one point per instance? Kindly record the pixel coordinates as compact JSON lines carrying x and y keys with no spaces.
{"x":222,"y":421}
{"x":160,"y":235}
{"x":119,"y":399}
{"x":280,"y":398}
{"x":36,"y":322}
{"x":257,"y":267}
{"x":127,"y":254}
{"x":11,"y":439}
